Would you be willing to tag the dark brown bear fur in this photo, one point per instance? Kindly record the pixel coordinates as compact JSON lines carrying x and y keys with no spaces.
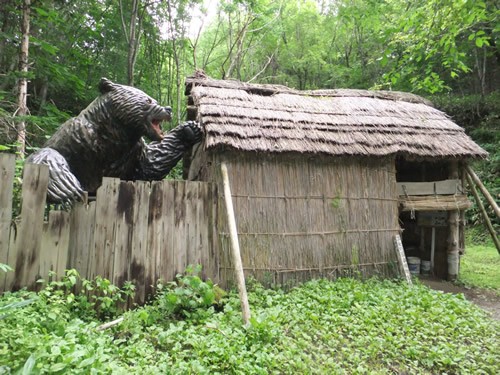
{"x":106,"y":139}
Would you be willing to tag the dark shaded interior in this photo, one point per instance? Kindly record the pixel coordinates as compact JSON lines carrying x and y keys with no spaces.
{"x":417,"y":231}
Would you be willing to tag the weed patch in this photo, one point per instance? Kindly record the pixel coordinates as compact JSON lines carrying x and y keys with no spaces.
{"x":345,"y":326}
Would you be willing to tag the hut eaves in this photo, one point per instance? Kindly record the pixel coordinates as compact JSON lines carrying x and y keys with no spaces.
{"x":277,"y":119}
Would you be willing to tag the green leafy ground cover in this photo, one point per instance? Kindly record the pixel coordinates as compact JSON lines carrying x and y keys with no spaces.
{"x":346,"y":326}
{"x":480,"y":266}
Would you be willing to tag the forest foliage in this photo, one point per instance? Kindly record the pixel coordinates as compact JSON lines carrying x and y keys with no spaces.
{"x":447,"y":50}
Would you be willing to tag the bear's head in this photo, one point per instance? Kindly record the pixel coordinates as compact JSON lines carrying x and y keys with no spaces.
{"x":132,"y":110}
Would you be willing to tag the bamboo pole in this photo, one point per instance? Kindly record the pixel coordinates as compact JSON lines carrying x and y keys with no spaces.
{"x":113,"y":323}
{"x":483,"y":189}
{"x":235,"y":246}
{"x":483,"y":212}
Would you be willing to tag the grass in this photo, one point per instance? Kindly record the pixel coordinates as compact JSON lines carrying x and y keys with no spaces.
{"x":480,"y":266}
{"x":322,"y":327}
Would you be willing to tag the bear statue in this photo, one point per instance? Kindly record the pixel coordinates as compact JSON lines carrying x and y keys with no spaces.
{"x":106,"y":140}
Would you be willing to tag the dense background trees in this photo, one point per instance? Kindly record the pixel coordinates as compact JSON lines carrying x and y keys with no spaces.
{"x":444,"y":49}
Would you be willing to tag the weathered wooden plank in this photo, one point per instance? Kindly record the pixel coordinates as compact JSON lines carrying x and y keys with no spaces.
{"x":157,"y":201}
{"x":105,"y":226}
{"x":81,"y":241}
{"x":211,"y":269}
{"x":7,"y":169}
{"x":140,"y":246}
{"x":180,"y":238}
{"x":11,"y":257}
{"x":29,"y":237}
{"x":204,"y":220}
{"x":121,"y":238}
{"x":55,"y":244}
{"x":192,"y":221}
{"x":445,"y":187}
{"x":124,"y":232}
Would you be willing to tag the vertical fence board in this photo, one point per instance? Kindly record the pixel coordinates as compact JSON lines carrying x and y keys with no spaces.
{"x":124,"y":232}
{"x":166,"y":248}
{"x":203,"y":237}
{"x":154,"y":237}
{"x":29,"y":236}
{"x":11,"y":256}
{"x":140,"y":249}
{"x":81,"y":240}
{"x":213,"y":244}
{"x":190,"y":225}
{"x":105,"y":225}
{"x":180,"y":236}
{"x":7,"y":168}
{"x":55,"y":244}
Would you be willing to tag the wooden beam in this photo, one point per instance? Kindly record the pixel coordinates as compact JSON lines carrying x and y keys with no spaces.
{"x":434,"y":202}
{"x":445,"y":187}
{"x":235,"y":246}
{"x":483,"y":189}
{"x":483,"y":212}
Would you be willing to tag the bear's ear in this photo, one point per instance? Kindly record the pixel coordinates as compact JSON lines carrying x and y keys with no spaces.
{"x":105,"y":85}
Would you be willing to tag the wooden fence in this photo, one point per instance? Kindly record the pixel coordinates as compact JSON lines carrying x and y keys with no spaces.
{"x":136,"y":231}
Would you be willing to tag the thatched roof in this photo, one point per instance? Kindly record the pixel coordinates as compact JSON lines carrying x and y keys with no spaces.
{"x":271,"y":118}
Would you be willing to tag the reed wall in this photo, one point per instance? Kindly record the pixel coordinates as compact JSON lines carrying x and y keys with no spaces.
{"x":300,"y":218}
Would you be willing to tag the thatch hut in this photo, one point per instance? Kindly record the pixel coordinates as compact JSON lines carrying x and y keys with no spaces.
{"x":323,"y":180}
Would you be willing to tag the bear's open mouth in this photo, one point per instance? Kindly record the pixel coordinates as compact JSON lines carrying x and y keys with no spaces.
{"x":156,"y":132}
{"x":156,"y":125}
{"x":155,"y":115}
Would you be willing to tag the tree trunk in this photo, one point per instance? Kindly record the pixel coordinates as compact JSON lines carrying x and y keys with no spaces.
{"x":132,"y":36}
{"x":22,"y":109}
{"x":132,"y":44}
{"x":177,"y":60}
{"x":43,"y":94}
{"x":4,"y":29}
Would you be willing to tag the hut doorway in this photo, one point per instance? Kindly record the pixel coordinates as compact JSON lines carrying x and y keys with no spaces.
{"x":431,"y":198}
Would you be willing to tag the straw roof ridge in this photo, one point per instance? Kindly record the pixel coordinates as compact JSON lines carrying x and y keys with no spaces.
{"x":275,"y":89}
{"x":277,"y":119}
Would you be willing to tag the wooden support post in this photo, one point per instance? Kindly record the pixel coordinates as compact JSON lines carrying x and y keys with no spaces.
{"x":235,"y":246}
{"x":433,"y":247}
{"x":486,"y":219}
{"x":483,"y":189}
{"x":453,"y":238}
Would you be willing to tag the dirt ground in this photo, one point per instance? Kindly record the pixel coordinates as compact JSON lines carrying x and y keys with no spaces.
{"x":488,"y":300}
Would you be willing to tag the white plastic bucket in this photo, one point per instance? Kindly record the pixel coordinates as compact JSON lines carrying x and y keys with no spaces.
{"x":425,"y":267}
{"x":414,"y":265}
